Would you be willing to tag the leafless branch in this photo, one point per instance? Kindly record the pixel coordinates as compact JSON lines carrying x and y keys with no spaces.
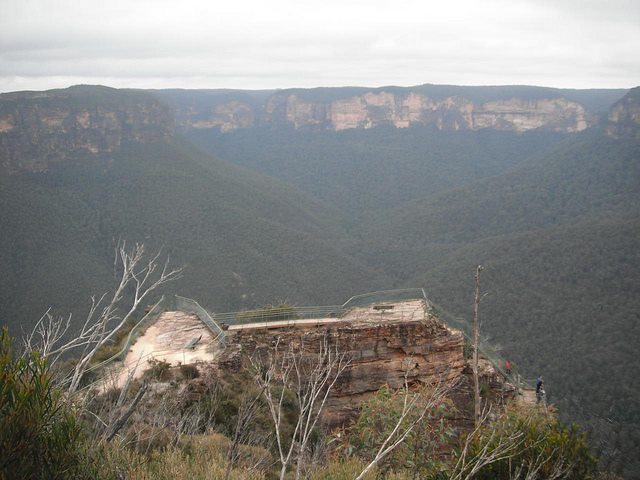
{"x":496,"y":447}
{"x":108,"y":314}
{"x":415,"y":406}
{"x":310,"y":377}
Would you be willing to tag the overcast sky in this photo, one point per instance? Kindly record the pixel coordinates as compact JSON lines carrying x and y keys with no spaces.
{"x":255,"y":44}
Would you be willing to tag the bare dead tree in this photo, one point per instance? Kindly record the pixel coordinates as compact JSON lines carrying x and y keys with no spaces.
{"x":476,"y":339}
{"x":113,"y":429}
{"x":530,"y":469}
{"x":416,"y":405}
{"x":496,"y":446}
{"x":310,"y":377}
{"x":242,"y":435}
{"x":109,"y":313}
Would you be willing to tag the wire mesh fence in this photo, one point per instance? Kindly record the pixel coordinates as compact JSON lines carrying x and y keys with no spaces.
{"x":189,"y":305}
{"x":166,"y":303}
{"x":289,"y":314}
{"x":280,"y":313}
{"x":385,"y":296}
{"x":285,"y":313}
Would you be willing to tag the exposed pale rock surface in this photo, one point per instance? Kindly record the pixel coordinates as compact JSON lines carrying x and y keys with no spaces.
{"x":402,"y":110}
{"x":41,"y":129}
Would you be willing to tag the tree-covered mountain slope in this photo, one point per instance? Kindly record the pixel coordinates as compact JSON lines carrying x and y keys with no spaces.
{"x":587,"y":174}
{"x":367,"y":170}
{"x":552,"y":215}
{"x":562,"y":302}
{"x":244,"y":239}
{"x":553,"y":218}
{"x":558,"y":238}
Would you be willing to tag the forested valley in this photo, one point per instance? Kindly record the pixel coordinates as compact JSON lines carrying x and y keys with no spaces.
{"x":312,"y":216}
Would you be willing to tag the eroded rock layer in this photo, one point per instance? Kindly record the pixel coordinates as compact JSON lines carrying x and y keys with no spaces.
{"x":400,"y":109}
{"x":40,"y":129}
{"x":382,"y":352}
{"x":624,"y":116}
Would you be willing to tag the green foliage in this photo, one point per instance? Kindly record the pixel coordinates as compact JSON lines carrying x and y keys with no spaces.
{"x":554,"y":219}
{"x":158,"y":370}
{"x":105,"y":353}
{"x":233,"y":230}
{"x":364,"y":172}
{"x":545,"y":444}
{"x":343,"y":469}
{"x":199,"y":457}
{"x":39,"y":434}
{"x":421,"y":450}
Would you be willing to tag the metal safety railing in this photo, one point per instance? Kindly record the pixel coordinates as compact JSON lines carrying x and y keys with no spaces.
{"x":166,"y":303}
{"x":185,"y":304}
{"x":287,"y":313}
{"x":280,"y":313}
{"x":398,"y":295}
{"x":137,"y":330}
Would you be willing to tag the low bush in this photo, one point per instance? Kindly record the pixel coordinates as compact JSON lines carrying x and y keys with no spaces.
{"x":158,"y":370}
{"x":39,"y":434}
{"x":189,"y":372}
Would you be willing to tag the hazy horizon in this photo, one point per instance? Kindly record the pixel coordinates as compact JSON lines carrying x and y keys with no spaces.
{"x":372,"y":87}
{"x":251,"y":45}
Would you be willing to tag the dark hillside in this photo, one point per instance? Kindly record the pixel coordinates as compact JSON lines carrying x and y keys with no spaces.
{"x":244,"y":239}
{"x":554,"y":218}
{"x":366,"y":170}
{"x":562,"y":302}
{"x":558,"y":237}
{"x":312,"y":216}
{"x":584,"y":175}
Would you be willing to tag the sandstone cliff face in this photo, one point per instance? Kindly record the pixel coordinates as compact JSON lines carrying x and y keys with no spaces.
{"x":40,"y":129}
{"x":381,"y":352}
{"x":402,"y":110}
{"x":624,"y":116}
{"x":227,"y":116}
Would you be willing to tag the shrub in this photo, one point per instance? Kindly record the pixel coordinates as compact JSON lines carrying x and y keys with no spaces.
{"x":158,"y":370}
{"x":39,"y":435}
{"x":421,"y":450}
{"x":343,"y":469}
{"x":105,"y":353}
{"x":544,"y":442}
{"x":189,"y":372}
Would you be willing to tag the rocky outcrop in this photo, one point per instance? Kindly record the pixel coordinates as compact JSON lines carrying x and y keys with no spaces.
{"x":40,"y":129}
{"x":227,"y":116}
{"x":624,"y":116}
{"x":400,"y":108}
{"x":382,"y":352}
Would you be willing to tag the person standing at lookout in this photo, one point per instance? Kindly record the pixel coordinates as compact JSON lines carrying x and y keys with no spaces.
{"x":507,"y":367}
{"x":539,"y":389}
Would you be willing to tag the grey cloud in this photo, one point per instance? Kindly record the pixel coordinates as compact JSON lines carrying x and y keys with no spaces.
{"x":248,"y":44}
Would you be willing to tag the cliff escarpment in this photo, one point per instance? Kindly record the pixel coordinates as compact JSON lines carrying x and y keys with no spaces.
{"x":382,"y":351}
{"x":517,"y":109}
{"x":624,"y":116}
{"x":403,"y":110}
{"x":40,"y":129}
